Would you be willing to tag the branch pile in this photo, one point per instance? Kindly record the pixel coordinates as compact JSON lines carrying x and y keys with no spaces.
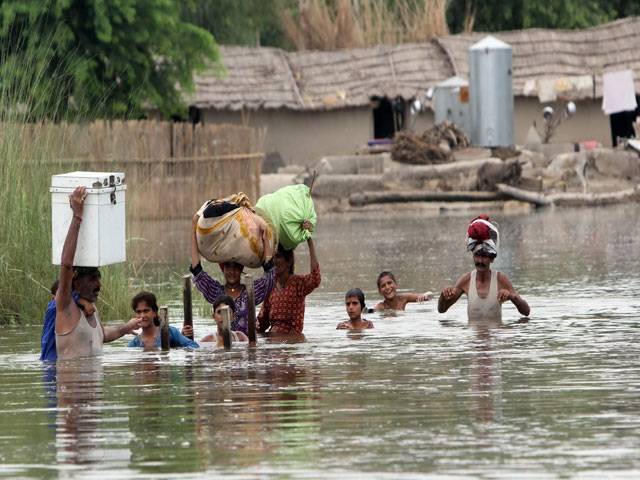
{"x":434,"y":146}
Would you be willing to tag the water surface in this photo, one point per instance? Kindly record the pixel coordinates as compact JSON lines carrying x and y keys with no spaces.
{"x":421,"y":395}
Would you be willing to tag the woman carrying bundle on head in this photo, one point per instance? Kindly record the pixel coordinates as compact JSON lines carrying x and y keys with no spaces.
{"x":283,"y":310}
{"x":211,"y":289}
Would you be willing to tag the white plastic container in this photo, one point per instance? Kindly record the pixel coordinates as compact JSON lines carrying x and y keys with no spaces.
{"x":102,"y":238}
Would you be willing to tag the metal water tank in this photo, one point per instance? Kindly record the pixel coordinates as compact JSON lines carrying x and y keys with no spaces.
{"x":491,"y":93}
{"x":451,"y":102}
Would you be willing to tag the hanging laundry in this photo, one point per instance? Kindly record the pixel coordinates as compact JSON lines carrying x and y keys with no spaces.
{"x":618,"y":92}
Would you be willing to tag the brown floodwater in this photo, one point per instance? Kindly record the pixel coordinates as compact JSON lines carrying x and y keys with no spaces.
{"x":420,"y":395}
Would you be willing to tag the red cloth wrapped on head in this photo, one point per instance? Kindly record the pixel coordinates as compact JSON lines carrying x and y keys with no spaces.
{"x":482,"y":235}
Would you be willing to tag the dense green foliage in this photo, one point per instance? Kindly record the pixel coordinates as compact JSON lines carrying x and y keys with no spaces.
{"x":259,"y":22}
{"x":119,"y":55}
{"x":517,"y":14}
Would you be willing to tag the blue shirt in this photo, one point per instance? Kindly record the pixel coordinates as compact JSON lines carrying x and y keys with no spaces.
{"x":176,"y":340}
{"x":48,"y":351}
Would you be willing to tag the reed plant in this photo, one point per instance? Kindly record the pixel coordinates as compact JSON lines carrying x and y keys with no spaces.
{"x":27,"y":161}
{"x":336,"y":24}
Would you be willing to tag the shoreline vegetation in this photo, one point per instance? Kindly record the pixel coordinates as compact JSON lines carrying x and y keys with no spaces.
{"x":26,"y":166}
{"x":165,"y":162}
{"x":26,"y":271}
{"x":75,"y":63}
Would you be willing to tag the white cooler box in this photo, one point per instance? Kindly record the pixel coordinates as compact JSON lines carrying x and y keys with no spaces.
{"x":102,"y":239}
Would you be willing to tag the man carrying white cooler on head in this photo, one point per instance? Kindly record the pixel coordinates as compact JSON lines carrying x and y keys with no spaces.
{"x":79,"y":332}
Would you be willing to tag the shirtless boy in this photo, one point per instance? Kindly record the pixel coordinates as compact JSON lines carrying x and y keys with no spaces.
{"x":354,"y":303}
{"x":388,"y":288}
{"x":217,"y":336}
{"x":486,"y":289}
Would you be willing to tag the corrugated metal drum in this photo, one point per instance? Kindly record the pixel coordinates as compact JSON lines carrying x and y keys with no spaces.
{"x":491,"y":92}
{"x":451,"y":103}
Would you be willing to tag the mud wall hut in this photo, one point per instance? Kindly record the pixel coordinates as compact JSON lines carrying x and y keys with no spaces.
{"x":324,"y":103}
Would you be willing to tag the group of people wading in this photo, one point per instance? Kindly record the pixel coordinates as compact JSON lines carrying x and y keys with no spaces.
{"x":72,"y":326}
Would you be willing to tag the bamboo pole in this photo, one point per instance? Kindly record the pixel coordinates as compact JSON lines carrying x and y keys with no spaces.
{"x":186,"y":302}
{"x":226,"y":327}
{"x":163,"y":314}
{"x":251,"y":309}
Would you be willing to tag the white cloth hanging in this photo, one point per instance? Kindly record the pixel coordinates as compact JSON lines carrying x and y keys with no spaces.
{"x":619,"y":94}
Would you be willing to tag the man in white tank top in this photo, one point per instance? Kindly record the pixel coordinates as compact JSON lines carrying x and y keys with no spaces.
{"x":79,"y":332}
{"x":486,"y":290}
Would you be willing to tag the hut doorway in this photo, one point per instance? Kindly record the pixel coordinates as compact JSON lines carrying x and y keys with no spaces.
{"x":388,"y":116}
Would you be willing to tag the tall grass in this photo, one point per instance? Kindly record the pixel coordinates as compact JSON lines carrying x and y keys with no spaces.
{"x":331,"y":25}
{"x":26,"y":166}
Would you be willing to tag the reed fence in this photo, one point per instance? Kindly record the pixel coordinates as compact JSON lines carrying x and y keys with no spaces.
{"x":171,"y":168}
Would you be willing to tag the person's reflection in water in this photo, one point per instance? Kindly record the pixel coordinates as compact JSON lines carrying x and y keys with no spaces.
{"x":486,"y":376}
{"x":79,"y":391}
{"x":244,"y":415}
{"x":149,"y":421}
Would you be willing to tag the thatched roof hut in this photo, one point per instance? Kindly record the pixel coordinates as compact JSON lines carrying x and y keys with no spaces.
{"x":541,"y":53}
{"x":323,"y":100}
{"x":310,"y":80}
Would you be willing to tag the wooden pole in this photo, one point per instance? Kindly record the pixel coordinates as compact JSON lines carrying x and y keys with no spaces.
{"x":186,"y":302}
{"x":251,"y":309}
{"x":368,"y":198}
{"x":163,"y":315}
{"x":226,"y":327}
{"x":571,"y":199}
{"x":313,"y":181}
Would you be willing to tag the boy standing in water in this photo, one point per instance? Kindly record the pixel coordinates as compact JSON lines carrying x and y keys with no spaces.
{"x":388,"y":286}
{"x":354,"y":302}
{"x":217,"y":336}
{"x":486,"y":290}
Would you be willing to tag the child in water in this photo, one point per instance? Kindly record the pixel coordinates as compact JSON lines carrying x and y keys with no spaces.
{"x":354,"y":302}
{"x":388,"y":286}
{"x":236,"y":336}
{"x":145,"y":306}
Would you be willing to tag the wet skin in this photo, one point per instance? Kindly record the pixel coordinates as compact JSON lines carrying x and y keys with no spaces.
{"x":354,"y":309}
{"x":145,"y":314}
{"x":88,"y":286}
{"x":387,"y":288}
{"x":482,"y":262}
{"x":282,"y":266}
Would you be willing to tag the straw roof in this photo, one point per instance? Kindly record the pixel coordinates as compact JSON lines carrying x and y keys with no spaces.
{"x":253,"y":78}
{"x":351,"y":77}
{"x":540,"y":54}
{"x":310,"y":80}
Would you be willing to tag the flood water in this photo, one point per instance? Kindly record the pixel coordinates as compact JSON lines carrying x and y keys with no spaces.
{"x":421,"y":395}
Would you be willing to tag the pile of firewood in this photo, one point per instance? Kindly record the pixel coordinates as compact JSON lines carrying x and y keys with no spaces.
{"x":434,"y":146}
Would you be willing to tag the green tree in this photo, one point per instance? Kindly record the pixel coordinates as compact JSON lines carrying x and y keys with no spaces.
{"x":119,"y":56}
{"x":517,"y":14}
